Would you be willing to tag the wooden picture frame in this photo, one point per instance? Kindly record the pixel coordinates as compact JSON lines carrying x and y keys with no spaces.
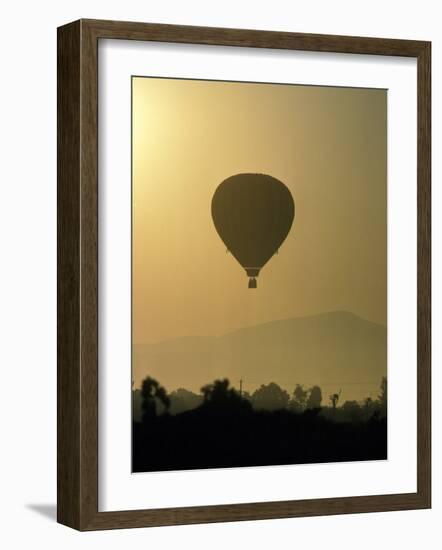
{"x":78,"y":274}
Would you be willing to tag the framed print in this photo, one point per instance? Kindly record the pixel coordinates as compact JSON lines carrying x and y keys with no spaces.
{"x":243,"y":274}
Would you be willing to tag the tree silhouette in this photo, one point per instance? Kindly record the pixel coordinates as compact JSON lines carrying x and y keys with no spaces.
{"x":152,"y":394}
{"x":299,"y":400}
{"x":334,"y":398}
{"x":271,"y":397}
{"x":315,"y":398}
{"x":220,"y":398}
{"x":218,"y":392}
{"x":383,"y":397}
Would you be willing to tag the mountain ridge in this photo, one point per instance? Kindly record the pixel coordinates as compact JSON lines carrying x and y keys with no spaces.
{"x":316,"y":349}
{"x":343,"y":313}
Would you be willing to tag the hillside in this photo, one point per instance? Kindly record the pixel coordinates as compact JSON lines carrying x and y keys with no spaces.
{"x":334,"y":350}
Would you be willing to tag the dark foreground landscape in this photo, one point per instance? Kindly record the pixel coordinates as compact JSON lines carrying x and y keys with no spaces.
{"x":228,"y":429}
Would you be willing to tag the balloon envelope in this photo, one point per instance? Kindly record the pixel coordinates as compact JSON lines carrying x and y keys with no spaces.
{"x":253,"y":214}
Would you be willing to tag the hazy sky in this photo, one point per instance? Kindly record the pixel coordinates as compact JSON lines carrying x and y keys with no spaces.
{"x":328,"y":145}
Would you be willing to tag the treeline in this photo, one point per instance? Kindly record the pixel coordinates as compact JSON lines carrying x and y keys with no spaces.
{"x":223,"y":427}
{"x":154,"y":399}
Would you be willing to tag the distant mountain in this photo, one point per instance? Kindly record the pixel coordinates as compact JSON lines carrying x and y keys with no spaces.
{"x":334,"y":350}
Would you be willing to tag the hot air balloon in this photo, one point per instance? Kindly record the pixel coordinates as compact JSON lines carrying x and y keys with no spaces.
{"x":253,"y":214}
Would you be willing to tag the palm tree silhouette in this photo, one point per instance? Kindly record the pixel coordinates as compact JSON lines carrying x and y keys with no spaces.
{"x":334,"y":398}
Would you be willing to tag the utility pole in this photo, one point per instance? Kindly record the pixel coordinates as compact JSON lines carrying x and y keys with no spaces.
{"x":240,"y":387}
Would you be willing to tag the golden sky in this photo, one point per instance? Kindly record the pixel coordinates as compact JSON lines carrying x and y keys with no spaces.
{"x":328,"y":145}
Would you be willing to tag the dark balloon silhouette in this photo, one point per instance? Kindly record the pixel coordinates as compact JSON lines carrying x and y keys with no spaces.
{"x":253,"y":214}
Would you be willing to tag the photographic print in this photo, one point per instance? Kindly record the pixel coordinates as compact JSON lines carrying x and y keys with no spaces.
{"x":259,"y":274}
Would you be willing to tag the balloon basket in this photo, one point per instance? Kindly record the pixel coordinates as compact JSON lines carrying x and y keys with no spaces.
{"x":252,"y":282}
